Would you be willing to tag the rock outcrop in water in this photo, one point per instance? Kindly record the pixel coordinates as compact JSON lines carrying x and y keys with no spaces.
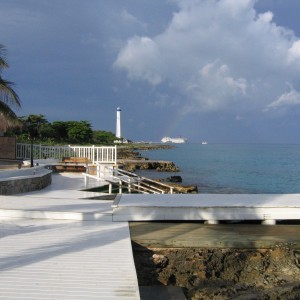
{"x":160,"y":166}
{"x":131,"y":160}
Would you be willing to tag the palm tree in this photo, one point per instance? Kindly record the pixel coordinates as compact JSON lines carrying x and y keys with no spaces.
{"x":8,"y":97}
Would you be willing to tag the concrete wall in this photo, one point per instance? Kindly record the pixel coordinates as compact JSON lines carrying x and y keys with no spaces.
{"x":23,"y":184}
{"x":7,"y":147}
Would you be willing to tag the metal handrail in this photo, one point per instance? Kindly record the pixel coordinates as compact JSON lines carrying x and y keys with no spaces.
{"x":136,"y":187}
{"x":140,"y":185}
{"x":154,"y":186}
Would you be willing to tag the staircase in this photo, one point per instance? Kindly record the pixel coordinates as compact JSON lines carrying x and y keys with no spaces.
{"x":128,"y":182}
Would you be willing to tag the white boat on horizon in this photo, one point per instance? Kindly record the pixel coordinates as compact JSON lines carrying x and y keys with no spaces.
{"x":204,"y":143}
{"x":178,"y":140}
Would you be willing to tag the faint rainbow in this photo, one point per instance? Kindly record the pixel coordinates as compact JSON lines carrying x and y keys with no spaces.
{"x":172,"y":128}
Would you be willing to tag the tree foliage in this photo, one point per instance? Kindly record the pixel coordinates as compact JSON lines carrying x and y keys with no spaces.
{"x":103,"y":137}
{"x":33,"y":125}
{"x":37,"y":127}
{"x":79,"y":132}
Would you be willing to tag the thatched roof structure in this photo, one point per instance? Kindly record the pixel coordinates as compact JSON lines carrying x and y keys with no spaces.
{"x":7,"y":123}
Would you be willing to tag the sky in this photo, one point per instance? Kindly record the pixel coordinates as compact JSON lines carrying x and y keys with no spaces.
{"x":223,"y":71}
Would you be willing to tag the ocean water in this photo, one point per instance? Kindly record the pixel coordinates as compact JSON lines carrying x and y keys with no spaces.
{"x":234,"y":168}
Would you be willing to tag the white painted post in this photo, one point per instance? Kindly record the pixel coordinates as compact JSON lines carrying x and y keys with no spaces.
{"x":120,"y":187}
{"x":129,"y":186}
{"x":93,"y":154}
{"x":86,"y":180}
{"x":268,"y":222}
{"x":139,"y":183}
{"x":211,"y":222}
{"x":101,"y":171}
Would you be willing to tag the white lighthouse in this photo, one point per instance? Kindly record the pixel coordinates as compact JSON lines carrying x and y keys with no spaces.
{"x":118,"y":123}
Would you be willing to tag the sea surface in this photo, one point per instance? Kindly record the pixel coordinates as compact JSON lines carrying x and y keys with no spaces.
{"x":234,"y":168}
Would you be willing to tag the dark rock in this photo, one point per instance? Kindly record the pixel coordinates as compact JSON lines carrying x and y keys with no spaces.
{"x":174,"y":179}
{"x":160,"y":261}
{"x":166,"y":166}
{"x":208,"y":273}
{"x":185,"y":189}
{"x":161,"y":166}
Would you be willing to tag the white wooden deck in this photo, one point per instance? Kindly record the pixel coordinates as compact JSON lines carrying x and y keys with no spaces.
{"x":65,"y":243}
{"x":51,"y":247}
{"x":207,"y":207}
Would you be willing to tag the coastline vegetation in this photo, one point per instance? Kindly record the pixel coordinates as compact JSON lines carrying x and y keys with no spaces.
{"x":41,"y":131}
{"x":38,"y":129}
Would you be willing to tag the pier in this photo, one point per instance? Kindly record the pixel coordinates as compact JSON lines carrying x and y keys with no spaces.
{"x":64,"y":242}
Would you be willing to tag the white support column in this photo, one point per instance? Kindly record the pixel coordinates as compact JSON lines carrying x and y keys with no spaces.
{"x":129,"y":186}
{"x":86,"y":180}
{"x":93,"y":154}
{"x":268,"y":222}
{"x":120,"y":186}
{"x":211,"y":222}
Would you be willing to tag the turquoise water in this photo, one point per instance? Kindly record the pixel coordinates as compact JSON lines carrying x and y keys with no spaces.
{"x":235,"y":168}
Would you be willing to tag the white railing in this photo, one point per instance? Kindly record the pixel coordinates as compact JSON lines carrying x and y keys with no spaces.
{"x":129,"y":181}
{"x":94,"y":154}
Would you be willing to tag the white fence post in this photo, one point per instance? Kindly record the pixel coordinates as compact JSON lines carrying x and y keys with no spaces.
{"x":93,"y":154}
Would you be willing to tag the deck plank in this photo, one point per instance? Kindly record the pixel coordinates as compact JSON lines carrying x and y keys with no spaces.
{"x":66,"y":260}
{"x":42,"y":257}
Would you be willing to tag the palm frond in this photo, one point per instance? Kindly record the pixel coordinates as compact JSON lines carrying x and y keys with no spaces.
{"x":7,"y":94}
{"x":8,"y":98}
{"x":3,"y":62}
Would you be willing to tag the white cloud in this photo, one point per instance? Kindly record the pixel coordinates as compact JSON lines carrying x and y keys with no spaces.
{"x":216,"y":55}
{"x":137,"y":50}
{"x":202,"y":88}
{"x":266,"y":17}
{"x":287,"y":99}
{"x":294,"y":52}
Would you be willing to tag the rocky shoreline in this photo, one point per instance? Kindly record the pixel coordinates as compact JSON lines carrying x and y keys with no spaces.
{"x":130,"y":159}
{"x":132,"y":165}
{"x":219,"y":274}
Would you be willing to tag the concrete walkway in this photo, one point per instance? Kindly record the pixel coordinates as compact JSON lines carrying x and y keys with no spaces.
{"x":42,"y":257}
